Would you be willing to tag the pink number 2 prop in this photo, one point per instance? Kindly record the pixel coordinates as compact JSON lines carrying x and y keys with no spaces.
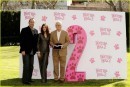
{"x":71,"y":74}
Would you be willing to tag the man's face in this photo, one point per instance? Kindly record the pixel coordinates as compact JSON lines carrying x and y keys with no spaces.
{"x":31,"y":23}
{"x":58,"y":26}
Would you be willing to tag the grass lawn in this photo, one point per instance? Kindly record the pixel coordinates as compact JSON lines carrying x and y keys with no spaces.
{"x":9,"y":73}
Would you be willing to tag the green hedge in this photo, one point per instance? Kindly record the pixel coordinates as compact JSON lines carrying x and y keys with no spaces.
{"x":128,"y":31}
{"x":10,"y":27}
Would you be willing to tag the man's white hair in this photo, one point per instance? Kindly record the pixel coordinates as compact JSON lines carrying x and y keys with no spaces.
{"x":31,"y":19}
{"x":58,"y":21}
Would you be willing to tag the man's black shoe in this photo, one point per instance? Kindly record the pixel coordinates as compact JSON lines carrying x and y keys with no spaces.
{"x":61,"y":81}
{"x":27,"y":83}
{"x":31,"y":81}
{"x":56,"y":81}
{"x":44,"y":81}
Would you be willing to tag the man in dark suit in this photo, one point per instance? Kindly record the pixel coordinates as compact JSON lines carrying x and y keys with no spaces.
{"x":28,"y":48}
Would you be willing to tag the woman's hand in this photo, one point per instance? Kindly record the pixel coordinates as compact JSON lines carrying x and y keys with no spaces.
{"x":38,"y":54}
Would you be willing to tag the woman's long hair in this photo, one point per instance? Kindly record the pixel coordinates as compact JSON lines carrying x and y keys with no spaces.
{"x":47,"y":30}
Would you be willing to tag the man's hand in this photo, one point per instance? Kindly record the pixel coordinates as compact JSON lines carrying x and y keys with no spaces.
{"x":23,"y":53}
{"x":58,"y":46}
{"x":62,"y":46}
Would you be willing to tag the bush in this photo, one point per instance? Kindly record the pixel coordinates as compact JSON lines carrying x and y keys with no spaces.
{"x":10,"y":27}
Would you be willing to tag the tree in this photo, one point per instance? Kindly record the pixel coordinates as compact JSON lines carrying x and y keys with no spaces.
{"x":50,"y":4}
{"x":47,"y":4}
{"x":3,"y":4}
{"x":33,"y":4}
{"x":110,"y":2}
{"x":118,"y":5}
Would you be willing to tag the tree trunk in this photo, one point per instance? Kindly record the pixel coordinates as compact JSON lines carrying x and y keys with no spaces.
{"x":111,"y":4}
{"x":33,"y":4}
{"x":120,"y":5}
{"x":54,"y":4}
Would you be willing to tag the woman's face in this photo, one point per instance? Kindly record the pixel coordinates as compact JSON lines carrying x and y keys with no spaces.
{"x":44,"y":28}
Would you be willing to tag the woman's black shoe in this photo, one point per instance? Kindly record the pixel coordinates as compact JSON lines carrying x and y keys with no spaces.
{"x":44,"y":81}
{"x":31,"y":81}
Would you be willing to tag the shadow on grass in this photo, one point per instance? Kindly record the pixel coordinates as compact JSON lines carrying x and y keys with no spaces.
{"x":119,"y":85}
{"x":17,"y":82}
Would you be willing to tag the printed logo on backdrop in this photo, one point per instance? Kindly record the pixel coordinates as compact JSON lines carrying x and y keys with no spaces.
{"x":59,"y":15}
{"x":117,"y":17}
{"x":29,"y":14}
{"x":88,"y":16}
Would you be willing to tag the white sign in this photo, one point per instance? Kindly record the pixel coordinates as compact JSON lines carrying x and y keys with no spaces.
{"x":99,"y":50}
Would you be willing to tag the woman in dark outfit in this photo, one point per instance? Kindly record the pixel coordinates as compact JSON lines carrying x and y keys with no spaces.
{"x":43,"y":51}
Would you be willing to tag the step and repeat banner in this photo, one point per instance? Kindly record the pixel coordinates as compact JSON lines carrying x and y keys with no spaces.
{"x":98,"y":43}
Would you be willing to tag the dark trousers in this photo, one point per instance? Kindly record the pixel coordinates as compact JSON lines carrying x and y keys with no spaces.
{"x":43,"y":62}
{"x":28,"y":61}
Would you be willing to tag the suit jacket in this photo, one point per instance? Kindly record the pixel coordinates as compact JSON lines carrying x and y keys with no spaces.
{"x":28,"y":40}
{"x":43,"y":43}
{"x":64,"y":40}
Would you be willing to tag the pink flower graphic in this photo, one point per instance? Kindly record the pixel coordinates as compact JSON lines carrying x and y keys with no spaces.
{"x":74,"y":17}
{"x":118,"y":33}
{"x":117,"y":74}
{"x":103,"y":18}
{"x":35,"y":72}
{"x":116,"y":46}
{"x":44,"y":18}
{"x":92,"y":60}
{"x":92,"y":33}
{"x":119,"y":60}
